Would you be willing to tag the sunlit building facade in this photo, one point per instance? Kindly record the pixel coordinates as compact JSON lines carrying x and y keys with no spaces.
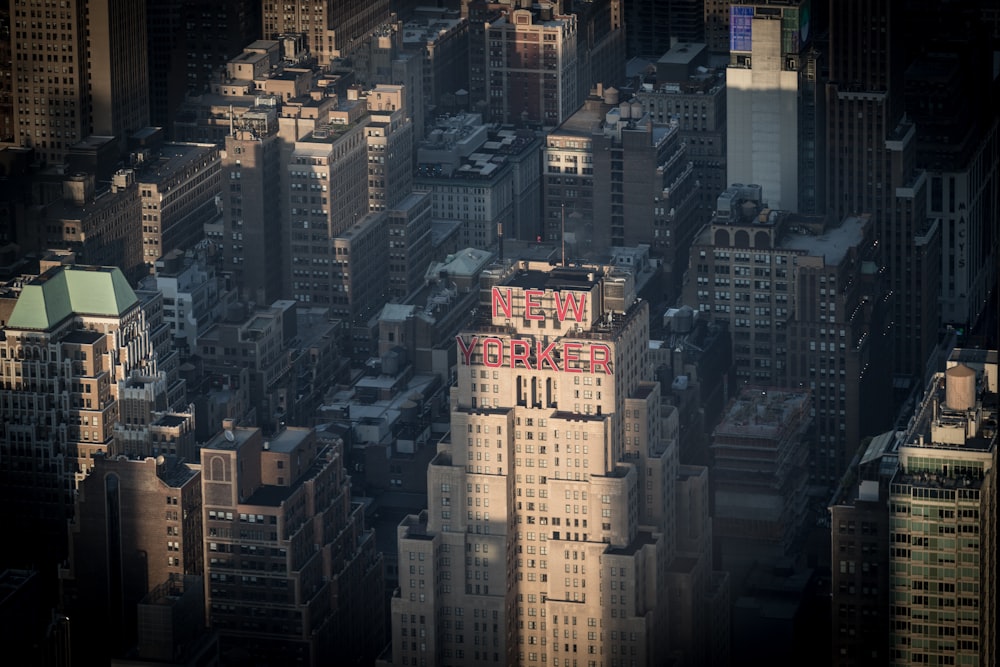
{"x":551,"y":534}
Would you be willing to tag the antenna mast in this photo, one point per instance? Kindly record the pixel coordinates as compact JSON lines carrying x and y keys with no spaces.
{"x":563,"y":234}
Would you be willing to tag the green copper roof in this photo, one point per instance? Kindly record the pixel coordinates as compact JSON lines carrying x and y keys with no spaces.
{"x":62,"y":291}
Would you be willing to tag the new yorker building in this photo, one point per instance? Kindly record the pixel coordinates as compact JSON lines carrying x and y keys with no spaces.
{"x":552,"y":531}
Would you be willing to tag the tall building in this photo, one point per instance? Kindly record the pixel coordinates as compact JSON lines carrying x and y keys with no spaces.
{"x":607,"y":147}
{"x":100,"y":84}
{"x":332,"y":28}
{"x":943,"y":517}
{"x":774,"y":131}
{"x":124,"y":544}
{"x":409,"y":244}
{"x":282,"y":534}
{"x":552,"y":534}
{"x":656,"y":27}
{"x":74,"y":334}
{"x":118,"y":74}
{"x":913,"y":543}
{"x":532,"y":67}
{"x":872,"y":168}
{"x":390,"y":139}
{"x":759,"y":475}
{"x":806,"y":304}
{"x":327,"y":179}
{"x":859,"y":526}
{"x":600,"y":44}
{"x":66,"y":87}
{"x":440,"y":38}
{"x":6,"y":81}
{"x":251,"y":205}
{"x":653,"y":198}
{"x":688,"y":91}
{"x":188,"y":43}
{"x":358,"y":285}
{"x":648,"y":28}
{"x":179,"y":185}
{"x":480,"y":14}
{"x":957,"y":143}
{"x":717,"y":25}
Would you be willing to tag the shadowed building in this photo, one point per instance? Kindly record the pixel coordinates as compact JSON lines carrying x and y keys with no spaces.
{"x":100,"y":86}
{"x":179,"y":185}
{"x":75,"y":335}
{"x":137,"y":526}
{"x":99,"y":223}
{"x":333,"y":28}
{"x":281,"y":533}
{"x":872,"y":168}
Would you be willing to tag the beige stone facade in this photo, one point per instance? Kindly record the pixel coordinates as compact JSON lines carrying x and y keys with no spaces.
{"x":551,"y":520}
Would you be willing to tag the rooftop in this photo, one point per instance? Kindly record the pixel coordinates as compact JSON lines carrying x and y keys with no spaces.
{"x":641,"y":540}
{"x":171,"y":421}
{"x":82,"y":337}
{"x":761,"y":413}
{"x":557,"y":279}
{"x":272,"y":495}
{"x":63,"y":291}
{"x":172,"y":159}
{"x":832,"y":244}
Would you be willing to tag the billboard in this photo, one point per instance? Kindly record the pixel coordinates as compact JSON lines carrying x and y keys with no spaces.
{"x":740,"y":27}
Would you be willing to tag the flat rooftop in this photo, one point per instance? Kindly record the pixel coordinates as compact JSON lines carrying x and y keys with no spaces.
{"x":82,"y":337}
{"x":173,"y":158}
{"x":170,"y":421}
{"x":761,"y":413}
{"x":286,"y":441}
{"x":641,"y":540}
{"x":558,"y":278}
{"x":832,"y":244}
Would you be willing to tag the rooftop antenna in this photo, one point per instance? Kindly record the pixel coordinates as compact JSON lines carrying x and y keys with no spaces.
{"x":500,"y":239}
{"x":563,"y":222}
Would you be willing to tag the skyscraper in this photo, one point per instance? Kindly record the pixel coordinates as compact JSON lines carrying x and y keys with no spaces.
{"x":655,"y":26}
{"x":552,"y":527}
{"x":74,"y":334}
{"x":914,"y":530}
{"x":943,"y":520}
{"x":291,"y":572}
{"x":188,"y":42}
{"x":717,"y":25}
{"x":117,"y":68}
{"x":123,"y":544}
{"x":614,"y":176}
{"x":99,"y":83}
{"x":871,"y":148}
{"x":52,"y":121}
{"x":333,"y":28}
{"x":532,"y":67}
{"x":771,"y":97}
{"x":251,"y":205}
